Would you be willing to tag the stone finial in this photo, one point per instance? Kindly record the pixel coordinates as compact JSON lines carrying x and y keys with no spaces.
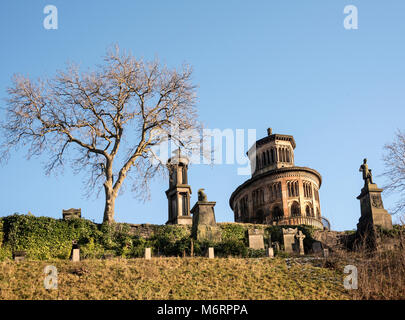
{"x":269,"y":131}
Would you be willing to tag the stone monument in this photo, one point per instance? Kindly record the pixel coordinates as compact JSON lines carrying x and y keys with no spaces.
{"x":75,"y":253}
{"x":204,"y":226}
{"x":372,"y":208}
{"x":270,"y":252}
{"x":148,"y":253}
{"x":289,"y":239}
{"x":256,"y":240}
{"x":300,"y":237}
{"x":211,"y":254}
{"x":178,"y":194}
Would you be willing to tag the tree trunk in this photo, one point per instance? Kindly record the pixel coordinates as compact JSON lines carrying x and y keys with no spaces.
{"x":109,"y":204}
{"x":110,"y":194}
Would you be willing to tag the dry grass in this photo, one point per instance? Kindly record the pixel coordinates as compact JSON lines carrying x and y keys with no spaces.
{"x":381,"y":274}
{"x":172,"y":278}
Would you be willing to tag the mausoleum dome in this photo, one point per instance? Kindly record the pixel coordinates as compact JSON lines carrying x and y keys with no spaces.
{"x":278,"y":192}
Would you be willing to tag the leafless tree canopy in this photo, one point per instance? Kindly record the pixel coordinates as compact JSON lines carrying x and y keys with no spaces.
{"x":106,"y":121}
{"x":394,"y":159}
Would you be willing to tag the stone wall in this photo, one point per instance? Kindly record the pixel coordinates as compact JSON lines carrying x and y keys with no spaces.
{"x":333,"y":239}
{"x":148,"y":230}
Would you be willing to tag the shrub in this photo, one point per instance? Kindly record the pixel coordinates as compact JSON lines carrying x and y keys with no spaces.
{"x":235,"y":248}
{"x":233,"y":232}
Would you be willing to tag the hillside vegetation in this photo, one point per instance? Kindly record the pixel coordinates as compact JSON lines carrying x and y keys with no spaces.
{"x":172,"y":278}
{"x":44,"y":238}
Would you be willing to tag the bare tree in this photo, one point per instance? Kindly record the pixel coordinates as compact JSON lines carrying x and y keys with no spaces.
{"x":105,"y":121}
{"x":394,"y":159}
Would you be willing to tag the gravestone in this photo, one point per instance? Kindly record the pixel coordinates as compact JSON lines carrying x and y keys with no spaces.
{"x":300,"y":236}
{"x":75,"y":253}
{"x":19,"y":256}
{"x":71,"y":214}
{"x":270,"y":252}
{"x":204,"y":226}
{"x":256,"y":240}
{"x":289,"y":239}
{"x":211,"y":253}
{"x":326,"y":253}
{"x":148,"y":253}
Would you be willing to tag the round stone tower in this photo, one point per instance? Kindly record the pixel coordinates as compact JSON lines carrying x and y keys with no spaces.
{"x":278,"y":192}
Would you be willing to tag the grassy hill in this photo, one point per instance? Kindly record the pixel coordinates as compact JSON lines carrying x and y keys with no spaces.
{"x":172,"y":278}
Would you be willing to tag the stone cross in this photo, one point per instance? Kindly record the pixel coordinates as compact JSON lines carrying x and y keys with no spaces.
{"x":211,"y":253}
{"x":300,"y":236}
{"x":148,"y":253}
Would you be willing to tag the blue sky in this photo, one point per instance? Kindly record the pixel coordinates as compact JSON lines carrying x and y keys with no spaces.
{"x":289,"y":65}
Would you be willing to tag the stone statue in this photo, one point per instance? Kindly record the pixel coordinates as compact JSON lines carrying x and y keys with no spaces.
{"x":367,"y":176}
{"x":201,"y":195}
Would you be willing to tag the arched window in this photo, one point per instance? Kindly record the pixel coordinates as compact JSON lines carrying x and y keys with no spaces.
{"x":272,"y":155}
{"x":318,"y":213}
{"x":276,"y":213}
{"x":307,"y":211}
{"x":295,"y":210}
{"x":259,"y":216}
{"x":288,"y":155}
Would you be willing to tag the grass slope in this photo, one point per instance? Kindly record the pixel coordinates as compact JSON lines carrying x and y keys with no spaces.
{"x":172,"y":278}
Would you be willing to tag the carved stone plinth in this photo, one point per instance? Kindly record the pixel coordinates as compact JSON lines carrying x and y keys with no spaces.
{"x":372,"y":209}
{"x":204,"y":225}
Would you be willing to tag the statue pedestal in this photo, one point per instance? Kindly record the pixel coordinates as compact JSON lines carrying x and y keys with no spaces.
{"x":204,"y":224}
{"x":181,"y":220}
{"x":372,"y":209}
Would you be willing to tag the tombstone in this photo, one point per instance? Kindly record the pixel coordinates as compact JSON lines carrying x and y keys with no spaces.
{"x":71,"y":214}
{"x":300,"y":236}
{"x":270,"y":252}
{"x":76,"y":255}
{"x":289,"y":239}
{"x":316,"y":247}
{"x":19,"y":256}
{"x":148,"y":253}
{"x":256,"y":240}
{"x":211,"y":253}
{"x":269,"y":243}
{"x":325,"y":252}
{"x":204,"y":226}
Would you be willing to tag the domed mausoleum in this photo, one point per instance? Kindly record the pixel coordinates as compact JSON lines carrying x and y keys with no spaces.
{"x":278,"y":193}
